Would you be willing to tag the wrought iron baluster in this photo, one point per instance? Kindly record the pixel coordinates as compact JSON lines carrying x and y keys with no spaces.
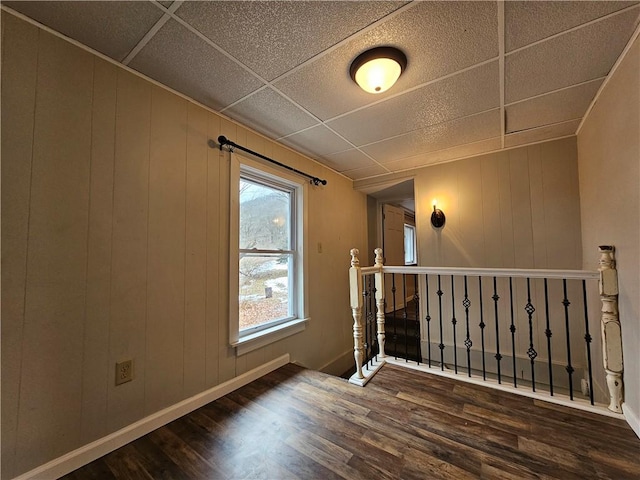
{"x":569,"y":367}
{"x":482,"y":325}
{"x":512,"y":329}
{"x":587,"y":339}
{"x":466,"y":303}
{"x":548,"y":334}
{"x":395,"y":318}
{"x":416,"y":300}
{"x":441,"y":345}
{"x":365,"y":302}
{"x":372,"y":302}
{"x":405,"y":317}
{"x":454,"y":321}
{"x":531,"y":352}
{"x":495,"y":298}
{"x":428,"y":319}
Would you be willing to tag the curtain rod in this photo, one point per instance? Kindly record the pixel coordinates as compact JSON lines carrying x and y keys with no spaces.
{"x":222,"y":140}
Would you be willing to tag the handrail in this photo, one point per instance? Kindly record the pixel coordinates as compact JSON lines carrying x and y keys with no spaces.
{"x":495,"y":272}
{"x":611,"y":335}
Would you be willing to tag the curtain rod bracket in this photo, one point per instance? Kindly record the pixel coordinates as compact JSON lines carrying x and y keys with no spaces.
{"x":224,"y":141}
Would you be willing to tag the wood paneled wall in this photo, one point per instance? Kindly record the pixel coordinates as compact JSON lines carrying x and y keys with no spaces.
{"x":115,"y":237}
{"x":514,"y":209}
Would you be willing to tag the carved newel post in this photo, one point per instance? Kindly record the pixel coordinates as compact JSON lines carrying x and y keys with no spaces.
{"x":611,"y":332}
{"x":355,"y":293}
{"x":379,"y":281}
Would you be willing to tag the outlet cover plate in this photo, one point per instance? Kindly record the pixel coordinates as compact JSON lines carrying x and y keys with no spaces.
{"x":124,"y":372}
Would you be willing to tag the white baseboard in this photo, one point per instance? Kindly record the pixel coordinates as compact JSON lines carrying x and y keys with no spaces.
{"x":340,"y":364}
{"x":94,"y":450}
{"x":632,"y":419}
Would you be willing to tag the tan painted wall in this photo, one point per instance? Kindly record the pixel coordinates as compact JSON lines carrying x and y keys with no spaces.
{"x":115,"y":245}
{"x":513,"y":209}
{"x":609,"y":166}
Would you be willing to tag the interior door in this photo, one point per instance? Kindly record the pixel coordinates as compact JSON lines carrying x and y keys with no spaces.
{"x":393,"y":249}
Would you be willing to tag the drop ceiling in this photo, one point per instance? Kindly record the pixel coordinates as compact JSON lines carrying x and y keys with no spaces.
{"x":481,"y":76}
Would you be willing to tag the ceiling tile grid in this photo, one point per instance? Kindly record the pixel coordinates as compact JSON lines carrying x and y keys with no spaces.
{"x":112,"y":28}
{"x":279,"y":35}
{"x":181,"y":60}
{"x":436,"y":137}
{"x":282,"y":68}
{"x":568,"y":104}
{"x":463,"y":94}
{"x":575,"y":57}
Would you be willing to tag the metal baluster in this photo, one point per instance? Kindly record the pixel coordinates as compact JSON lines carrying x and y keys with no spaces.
{"x":372,"y":309}
{"x":531,"y":352}
{"x":453,"y":323}
{"x":495,"y":298}
{"x":548,"y":334}
{"x":482,"y":325}
{"x":395,"y":319}
{"x":569,"y":367}
{"x":367,"y":324}
{"x":512,"y":329}
{"x":428,"y":319}
{"x":416,"y":300}
{"x":405,"y":317}
{"x":376,"y":346}
{"x":587,"y":339}
{"x":441,"y":345}
{"x":466,"y":303}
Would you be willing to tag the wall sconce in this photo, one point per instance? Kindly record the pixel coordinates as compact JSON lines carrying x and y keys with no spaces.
{"x":437,"y":217}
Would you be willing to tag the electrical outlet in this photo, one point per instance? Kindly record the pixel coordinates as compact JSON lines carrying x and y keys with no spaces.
{"x":124,"y":372}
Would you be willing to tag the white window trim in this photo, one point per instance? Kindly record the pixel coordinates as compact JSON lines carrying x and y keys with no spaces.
{"x":258,"y":339}
{"x":415,"y":244}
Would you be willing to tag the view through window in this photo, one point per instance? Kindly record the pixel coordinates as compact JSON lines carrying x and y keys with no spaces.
{"x":266,"y":247}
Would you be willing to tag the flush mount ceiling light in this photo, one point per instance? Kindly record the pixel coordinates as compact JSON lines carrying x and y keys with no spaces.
{"x":376,"y":70}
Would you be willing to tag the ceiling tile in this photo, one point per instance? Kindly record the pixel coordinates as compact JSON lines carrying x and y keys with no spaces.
{"x":365,"y":172}
{"x":441,"y":156}
{"x":548,"y":132}
{"x":179,"y":59}
{"x":348,"y":160}
{"x":437,"y":137}
{"x":568,"y":104}
{"x":316,"y":141}
{"x":112,"y":28}
{"x":575,"y":57}
{"x":438,"y":38}
{"x":470,"y":92}
{"x":527,"y":22}
{"x":270,"y":113}
{"x":272,"y":37}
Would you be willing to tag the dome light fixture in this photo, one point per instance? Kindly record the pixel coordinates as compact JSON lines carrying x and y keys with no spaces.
{"x":376,"y":70}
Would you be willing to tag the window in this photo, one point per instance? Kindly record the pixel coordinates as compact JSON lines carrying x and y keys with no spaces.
{"x":410,"y":257}
{"x":267,"y":265}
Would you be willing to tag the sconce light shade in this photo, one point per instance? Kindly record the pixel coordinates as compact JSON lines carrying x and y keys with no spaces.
{"x":437,"y":218}
{"x":376,"y":70}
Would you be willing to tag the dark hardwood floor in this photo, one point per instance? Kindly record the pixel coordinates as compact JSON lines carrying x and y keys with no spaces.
{"x":297,"y":423}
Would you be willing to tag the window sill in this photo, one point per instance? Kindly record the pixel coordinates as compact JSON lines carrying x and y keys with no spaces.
{"x":256,"y":340}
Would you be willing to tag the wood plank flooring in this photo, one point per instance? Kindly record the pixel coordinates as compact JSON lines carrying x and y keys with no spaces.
{"x":297,"y":423}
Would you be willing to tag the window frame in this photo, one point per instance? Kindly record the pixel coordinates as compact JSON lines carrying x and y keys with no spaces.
{"x":414,"y":260}
{"x":260,"y":336}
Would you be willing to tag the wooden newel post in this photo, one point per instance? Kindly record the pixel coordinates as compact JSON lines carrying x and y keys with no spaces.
{"x":379,"y":282}
{"x":610,"y":327}
{"x":355,"y":292}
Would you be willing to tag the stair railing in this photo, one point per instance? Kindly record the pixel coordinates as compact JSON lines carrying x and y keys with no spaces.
{"x":548,"y":309}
